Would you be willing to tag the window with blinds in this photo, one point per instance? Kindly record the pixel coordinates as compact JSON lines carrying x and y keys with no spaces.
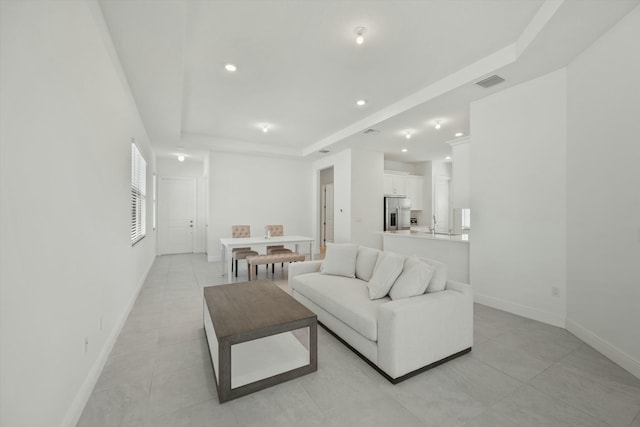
{"x":138,"y":195}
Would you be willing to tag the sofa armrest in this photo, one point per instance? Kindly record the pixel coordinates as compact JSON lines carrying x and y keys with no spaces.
{"x":417,"y":331}
{"x":297,"y":268}
{"x":463,"y":288}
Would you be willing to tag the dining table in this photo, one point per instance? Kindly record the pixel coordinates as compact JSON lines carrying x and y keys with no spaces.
{"x":227,"y":245}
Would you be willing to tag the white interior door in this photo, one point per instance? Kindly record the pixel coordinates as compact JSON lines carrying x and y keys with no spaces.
{"x":441,"y":204}
{"x":176,"y":215}
{"x":327,"y":215}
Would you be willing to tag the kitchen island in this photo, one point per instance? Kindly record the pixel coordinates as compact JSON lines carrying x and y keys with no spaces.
{"x":451,"y":250}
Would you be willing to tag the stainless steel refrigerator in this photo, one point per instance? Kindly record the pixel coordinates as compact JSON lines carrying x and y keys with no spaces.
{"x":397,"y":213}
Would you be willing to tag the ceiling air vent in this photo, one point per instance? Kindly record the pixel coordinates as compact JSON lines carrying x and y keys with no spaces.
{"x":490,"y":81}
{"x":370,"y":131}
{"x":324,"y":151}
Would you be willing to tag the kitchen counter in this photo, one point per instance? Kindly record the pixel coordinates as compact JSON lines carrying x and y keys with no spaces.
{"x":462,"y":238}
{"x":451,"y":250}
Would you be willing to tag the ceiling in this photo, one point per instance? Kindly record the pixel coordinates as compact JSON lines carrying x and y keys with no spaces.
{"x":301,"y":72}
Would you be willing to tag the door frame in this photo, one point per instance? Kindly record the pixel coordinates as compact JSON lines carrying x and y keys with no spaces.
{"x":319,"y":208}
{"x":323,"y":213}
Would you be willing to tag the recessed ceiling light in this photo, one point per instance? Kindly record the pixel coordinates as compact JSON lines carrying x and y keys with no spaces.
{"x":360,"y":34}
{"x":181,"y":158}
{"x":438,"y":124}
{"x":448,"y":158}
{"x":230,"y":67}
{"x":407,"y":134}
{"x":459,"y":134}
{"x":361,"y":102}
{"x":265,"y":128}
{"x":404,"y":150}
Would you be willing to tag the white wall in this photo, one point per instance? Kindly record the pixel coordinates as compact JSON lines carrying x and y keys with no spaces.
{"x":65,"y":253}
{"x":460,"y":173}
{"x":460,"y":181}
{"x":367,"y":196}
{"x":441,"y":168}
{"x":257,"y":191}
{"x":341,"y":163}
{"x":518,"y":162}
{"x":412,"y":168}
{"x":170,"y":167}
{"x":603,"y":176}
{"x":326,"y":176}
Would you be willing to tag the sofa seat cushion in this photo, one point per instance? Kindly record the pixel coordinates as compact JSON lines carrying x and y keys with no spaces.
{"x":346,"y":299}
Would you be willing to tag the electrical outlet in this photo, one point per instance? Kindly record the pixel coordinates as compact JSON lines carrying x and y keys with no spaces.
{"x":555,"y":292}
{"x":86,"y":345}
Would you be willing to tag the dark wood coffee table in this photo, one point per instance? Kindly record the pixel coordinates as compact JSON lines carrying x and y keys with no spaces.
{"x":255,"y":333}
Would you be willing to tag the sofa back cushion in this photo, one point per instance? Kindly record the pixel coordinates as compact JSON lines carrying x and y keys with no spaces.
{"x":439,"y":279}
{"x":366,"y":262}
{"x":414,"y":279}
{"x":340,"y":260}
{"x":388,"y":268}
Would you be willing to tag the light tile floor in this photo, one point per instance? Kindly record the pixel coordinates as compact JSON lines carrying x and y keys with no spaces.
{"x":520,"y":373}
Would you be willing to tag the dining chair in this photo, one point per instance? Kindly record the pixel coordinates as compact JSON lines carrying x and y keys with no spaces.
{"x":238,"y":231}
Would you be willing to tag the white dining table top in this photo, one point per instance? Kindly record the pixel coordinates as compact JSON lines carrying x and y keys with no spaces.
{"x":243,"y":241}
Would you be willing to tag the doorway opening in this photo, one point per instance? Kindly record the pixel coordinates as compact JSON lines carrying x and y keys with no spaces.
{"x":326,"y":209}
{"x":177,"y":215}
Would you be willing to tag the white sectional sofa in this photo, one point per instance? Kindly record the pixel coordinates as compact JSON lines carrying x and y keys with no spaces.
{"x":401,"y":330}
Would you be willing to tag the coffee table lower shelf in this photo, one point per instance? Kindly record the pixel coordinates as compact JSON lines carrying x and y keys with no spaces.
{"x":251,"y":361}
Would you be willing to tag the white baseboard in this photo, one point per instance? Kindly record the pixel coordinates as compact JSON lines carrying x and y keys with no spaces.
{"x":626,"y":361}
{"x":521,"y":310}
{"x":82,"y":397}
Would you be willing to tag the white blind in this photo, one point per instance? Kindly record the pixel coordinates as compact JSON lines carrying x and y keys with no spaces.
{"x":138,"y":195}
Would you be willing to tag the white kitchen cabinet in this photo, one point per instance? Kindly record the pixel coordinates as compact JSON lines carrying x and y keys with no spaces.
{"x":395,"y":184}
{"x":411,"y":186}
{"x":415,"y":191}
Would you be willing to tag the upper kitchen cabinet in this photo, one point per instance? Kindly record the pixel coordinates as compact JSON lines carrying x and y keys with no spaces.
{"x":395,"y":184}
{"x":411,"y":186}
